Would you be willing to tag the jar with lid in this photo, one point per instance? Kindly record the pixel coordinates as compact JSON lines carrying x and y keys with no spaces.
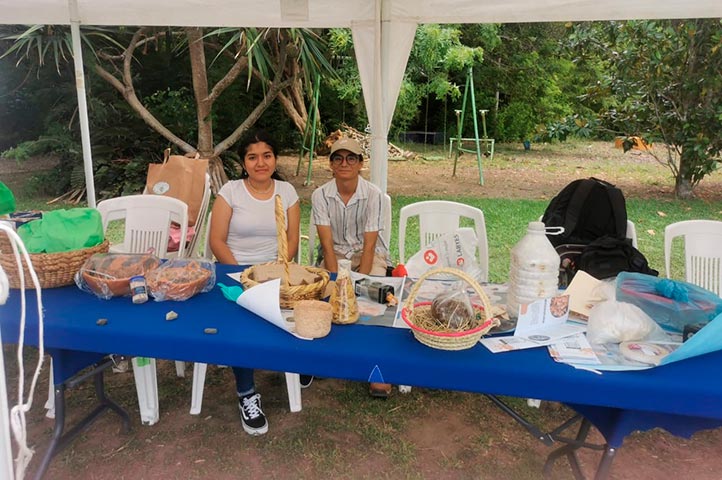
{"x":534,"y":269}
{"x":343,"y":298}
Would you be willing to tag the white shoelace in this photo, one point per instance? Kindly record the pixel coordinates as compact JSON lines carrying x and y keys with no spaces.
{"x":250,"y":406}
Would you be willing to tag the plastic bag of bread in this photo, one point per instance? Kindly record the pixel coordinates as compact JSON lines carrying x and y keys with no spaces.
{"x":180,"y":279}
{"x":452,"y":310}
{"x":108,"y":274}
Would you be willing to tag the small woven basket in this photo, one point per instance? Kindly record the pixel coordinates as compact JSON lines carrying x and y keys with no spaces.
{"x":312,"y":318}
{"x":53,"y":269}
{"x":290,"y":294}
{"x":418,"y":316}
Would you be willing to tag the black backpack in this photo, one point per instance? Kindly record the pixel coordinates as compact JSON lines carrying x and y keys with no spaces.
{"x":588,"y":209}
{"x":608,"y":256}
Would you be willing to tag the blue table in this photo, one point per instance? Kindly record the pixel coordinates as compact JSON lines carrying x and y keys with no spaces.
{"x":683,"y":397}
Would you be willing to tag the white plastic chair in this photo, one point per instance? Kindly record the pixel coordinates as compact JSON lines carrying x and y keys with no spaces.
{"x":385,"y":231}
{"x":147,"y":225}
{"x":200,"y":225}
{"x":702,"y":252}
{"x":438,"y":217}
{"x":147,"y":222}
{"x":293,"y":380}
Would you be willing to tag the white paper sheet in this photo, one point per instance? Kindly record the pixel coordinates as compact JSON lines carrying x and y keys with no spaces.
{"x":263,"y":300}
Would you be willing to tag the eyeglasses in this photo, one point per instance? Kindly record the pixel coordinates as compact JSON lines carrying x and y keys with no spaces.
{"x":352,"y":159}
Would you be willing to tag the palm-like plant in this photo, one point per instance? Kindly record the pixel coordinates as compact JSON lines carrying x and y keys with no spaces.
{"x":282,"y":60}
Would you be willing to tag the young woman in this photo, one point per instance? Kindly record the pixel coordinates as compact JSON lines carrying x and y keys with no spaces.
{"x":243,"y":232}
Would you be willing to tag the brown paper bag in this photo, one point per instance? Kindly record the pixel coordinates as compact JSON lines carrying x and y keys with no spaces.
{"x":179,"y":177}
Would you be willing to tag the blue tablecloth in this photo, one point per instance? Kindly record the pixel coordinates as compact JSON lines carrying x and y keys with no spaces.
{"x":682,"y":397}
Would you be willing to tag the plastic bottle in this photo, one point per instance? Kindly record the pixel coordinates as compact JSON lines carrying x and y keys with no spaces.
{"x":138,"y":289}
{"x":343,"y":298}
{"x":534,"y":269}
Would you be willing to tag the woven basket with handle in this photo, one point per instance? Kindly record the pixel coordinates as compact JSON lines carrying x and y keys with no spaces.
{"x":53,"y":269}
{"x":290,"y":294}
{"x":418,"y":316}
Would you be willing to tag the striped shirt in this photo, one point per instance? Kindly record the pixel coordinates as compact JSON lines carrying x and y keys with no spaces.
{"x":349,"y":222}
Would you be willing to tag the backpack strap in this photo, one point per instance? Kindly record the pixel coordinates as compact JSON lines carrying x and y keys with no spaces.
{"x":619,"y":210}
{"x":576,"y":202}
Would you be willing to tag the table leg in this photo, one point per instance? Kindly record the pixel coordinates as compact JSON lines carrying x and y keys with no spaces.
{"x":60,"y":439}
{"x":570,"y":451}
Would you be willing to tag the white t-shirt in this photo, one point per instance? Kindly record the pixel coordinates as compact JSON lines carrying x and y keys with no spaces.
{"x":252,"y":229}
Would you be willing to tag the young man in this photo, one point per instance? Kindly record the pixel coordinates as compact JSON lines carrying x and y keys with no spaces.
{"x":348,"y":215}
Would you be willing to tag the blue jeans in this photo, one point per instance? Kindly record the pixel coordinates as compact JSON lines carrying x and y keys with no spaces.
{"x":244,"y":380}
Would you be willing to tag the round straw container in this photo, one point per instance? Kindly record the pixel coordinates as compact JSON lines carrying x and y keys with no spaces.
{"x":312,"y":318}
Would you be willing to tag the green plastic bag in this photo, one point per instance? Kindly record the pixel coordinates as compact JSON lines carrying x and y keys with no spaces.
{"x":7,"y":200}
{"x":63,"y":231}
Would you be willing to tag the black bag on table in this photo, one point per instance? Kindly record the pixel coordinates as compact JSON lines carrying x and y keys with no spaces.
{"x":588,"y":209}
{"x":608,"y":256}
{"x":594,"y":216}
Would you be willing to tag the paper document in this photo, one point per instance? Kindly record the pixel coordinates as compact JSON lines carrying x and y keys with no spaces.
{"x":542,"y":315}
{"x":537,"y":338}
{"x":263,"y":300}
{"x":575,"y":349}
{"x":582,"y":293}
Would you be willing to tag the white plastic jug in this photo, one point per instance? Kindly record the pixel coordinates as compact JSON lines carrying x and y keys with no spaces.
{"x":534,"y":269}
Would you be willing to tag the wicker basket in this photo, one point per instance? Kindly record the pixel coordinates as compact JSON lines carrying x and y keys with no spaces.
{"x":418,"y":316}
{"x":290,"y":294}
{"x":53,"y":269}
{"x":313,"y":318}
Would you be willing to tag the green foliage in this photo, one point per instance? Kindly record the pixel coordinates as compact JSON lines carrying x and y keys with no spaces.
{"x":571,"y":126}
{"x":175,"y":108}
{"x":515,"y":122}
{"x":665,"y":81}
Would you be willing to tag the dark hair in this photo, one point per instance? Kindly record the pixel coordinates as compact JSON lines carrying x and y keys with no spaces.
{"x":258,"y":136}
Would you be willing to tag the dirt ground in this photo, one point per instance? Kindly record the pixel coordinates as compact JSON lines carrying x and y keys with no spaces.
{"x":343,"y":433}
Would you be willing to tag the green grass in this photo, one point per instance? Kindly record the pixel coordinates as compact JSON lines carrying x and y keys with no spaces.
{"x":506,"y":221}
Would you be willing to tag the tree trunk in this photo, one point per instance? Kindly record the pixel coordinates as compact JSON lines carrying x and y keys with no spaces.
{"x":204,"y":105}
{"x":683,"y":185}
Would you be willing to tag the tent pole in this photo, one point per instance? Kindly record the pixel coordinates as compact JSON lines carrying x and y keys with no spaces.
{"x":379,"y":132}
{"x":82,"y":103}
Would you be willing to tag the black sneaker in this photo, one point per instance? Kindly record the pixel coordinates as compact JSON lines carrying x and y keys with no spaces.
{"x":306,"y":380}
{"x":252,"y":417}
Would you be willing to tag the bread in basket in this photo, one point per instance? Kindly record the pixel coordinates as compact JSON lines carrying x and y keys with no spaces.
{"x":426,"y":329}
{"x":297,"y":282}
{"x":180,"y":279}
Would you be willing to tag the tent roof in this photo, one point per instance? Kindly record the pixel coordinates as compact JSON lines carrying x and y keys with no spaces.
{"x":343,"y":13}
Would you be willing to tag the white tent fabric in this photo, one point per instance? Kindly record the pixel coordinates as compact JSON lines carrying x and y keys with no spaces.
{"x":383,"y":31}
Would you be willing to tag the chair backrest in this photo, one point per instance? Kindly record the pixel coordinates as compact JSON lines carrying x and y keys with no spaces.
{"x":203,"y":215}
{"x":438,"y":217}
{"x":632,"y":233}
{"x":207,"y":254}
{"x":702,"y":252}
{"x":385,"y":231}
{"x":147,"y":222}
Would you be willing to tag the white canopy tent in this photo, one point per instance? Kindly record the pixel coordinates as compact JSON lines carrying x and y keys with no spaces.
{"x":383,"y":33}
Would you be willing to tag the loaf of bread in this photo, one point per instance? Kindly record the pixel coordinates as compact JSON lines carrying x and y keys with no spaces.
{"x":297,"y":275}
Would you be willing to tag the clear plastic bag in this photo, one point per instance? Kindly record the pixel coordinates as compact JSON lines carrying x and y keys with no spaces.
{"x":613,"y":322}
{"x":108,"y":275}
{"x":671,"y":303}
{"x":452,"y":309}
{"x":180,"y":279}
